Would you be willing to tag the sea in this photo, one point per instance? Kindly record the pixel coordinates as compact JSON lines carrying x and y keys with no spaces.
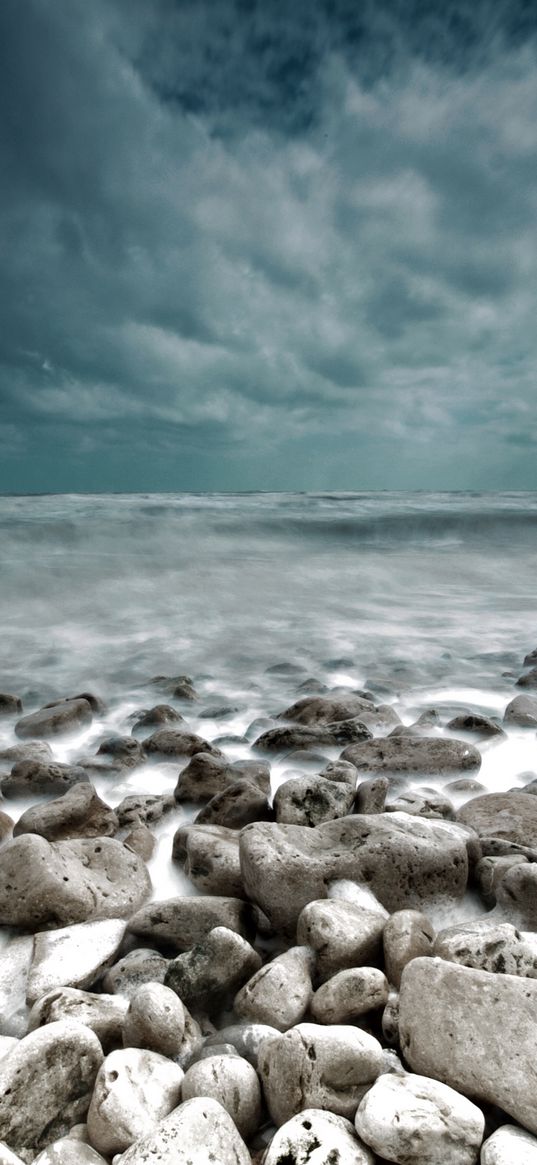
{"x":427,"y":600}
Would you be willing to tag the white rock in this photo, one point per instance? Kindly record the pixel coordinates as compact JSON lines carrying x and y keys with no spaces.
{"x":413,"y":1120}
{"x":197,"y":1132}
{"x":233,"y":1083}
{"x":73,"y":956}
{"x":314,"y":1137}
{"x":69,"y":1152}
{"x":9,"y":1158}
{"x":509,"y":1146}
{"x":15,"y":962}
{"x":279,"y":994}
{"x":134,"y":1089}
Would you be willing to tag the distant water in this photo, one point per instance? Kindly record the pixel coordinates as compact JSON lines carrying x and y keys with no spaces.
{"x":424,"y":598}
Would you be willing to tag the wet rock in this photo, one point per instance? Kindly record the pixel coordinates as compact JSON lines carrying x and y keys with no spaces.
{"x":279,"y":993}
{"x":327,"y":709}
{"x":141,"y":841}
{"x":65,"y":882}
{"x":144,"y":808}
{"x":9,"y":704}
{"x":312,"y":1066}
{"x":34,"y":750}
{"x":509,"y":1146}
{"x":422,"y":803}
{"x":134,"y":1090}
{"x":408,"y":934}
{"x":133,"y":970}
{"x":340,"y":771}
{"x":245,"y":1038}
{"x":312,"y":686}
{"x":180,"y":923}
{"x":418,"y":1121}
{"x":349,"y":995}
{"x":490,"y":871}
{"x":528,"y":680}
{"x":181,"y":687}
{"x":32,"y":778}
{"x":15,"y":962}
{"x":197,"y":1131}
{"x":303,"y":737}
{"x":402,"y":754}
{"x":104,"y":1014}
{"x":74,"y":956}
{"x":480,"y":726}
{"x":124,"y":748}
{"x":464,"y":785}
{"x":169,"y":742}
{"x":210,"y":857}
{"x":371,"y":795}
{"x":319,"y":1138}
{"x":157,"y":716}
{"x":218,"y":711}
{"x":212,"y":971}
{"x":206,"y":776}
{"x":341,"y":934}
{"x":155,"y":1020}
{"x":516,"y":896}
{"x":451,"y":1019}
{"x":522,"y":711}
{"x":311,"y":800}
{"x":78,"y":813}
{"x":46,"y":1084}
{"x":233,"y":1083}
{"x":404,"y":860}
{"x":238,"y":805}
{"x":512,"y":816}
{"x":55,"y":719}
{"x":498,"y":948}
{"x":67,"y":1151}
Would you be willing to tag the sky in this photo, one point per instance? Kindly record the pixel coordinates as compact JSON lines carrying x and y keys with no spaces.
{"x":268,"y":244}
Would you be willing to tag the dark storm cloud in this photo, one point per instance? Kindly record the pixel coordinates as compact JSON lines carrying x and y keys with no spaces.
{"x":268,"y":245}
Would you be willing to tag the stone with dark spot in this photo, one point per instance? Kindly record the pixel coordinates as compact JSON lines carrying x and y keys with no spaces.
{"x":157,"y":716}
{"x":522,"y":711}
{"x":210,"y":857}
{"x":144,"y":808}
{"x":489,"y":946}
{"x":78,"y":813}
{"x":311,"y":1132}
{"x":213,"y":970}
{"x":371,"y":795}
{"x":402,"y":754}
{"x":30,"y":778}
{"x":169,"y":742}
{"x":180,"y":923}
{"x":238,"y":805}
{"x":133,"y":971}
{"x":304,"y":737}
{"x":480,"y":726}
{"x":309,"y":800}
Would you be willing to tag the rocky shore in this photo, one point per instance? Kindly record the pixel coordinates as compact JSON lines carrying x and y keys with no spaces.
{"x":352,"y":978}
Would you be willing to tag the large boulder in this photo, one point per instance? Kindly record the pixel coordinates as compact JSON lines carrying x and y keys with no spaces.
{"x":512,"y":816}
{"x":411,"y":754}
{"x":46,"y":1083}
{"x":55,"y":719}
{"x":180,"y":923}
{"x":58,"y":883}
{"x":474,"y":1031}
{"x":78,"y":813}
{"x":416,"y":1121}
{"x":406,"y":861}
{"x":198,"y":1131}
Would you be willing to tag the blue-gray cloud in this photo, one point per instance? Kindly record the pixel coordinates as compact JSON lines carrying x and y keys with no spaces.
{"x":267,"y":245}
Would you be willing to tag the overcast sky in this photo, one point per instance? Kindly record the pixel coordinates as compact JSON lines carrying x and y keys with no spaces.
{"x":268,"y":244}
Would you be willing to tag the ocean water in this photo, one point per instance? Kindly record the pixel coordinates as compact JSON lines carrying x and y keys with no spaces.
{"x":426,"y":599}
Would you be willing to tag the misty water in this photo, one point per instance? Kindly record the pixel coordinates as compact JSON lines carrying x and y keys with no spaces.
{"x":427,"y":600}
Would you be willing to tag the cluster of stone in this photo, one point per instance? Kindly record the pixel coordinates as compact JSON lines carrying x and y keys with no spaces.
{"x":302,"y":1006}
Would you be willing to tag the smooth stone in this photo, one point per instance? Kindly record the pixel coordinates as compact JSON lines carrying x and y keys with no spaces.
{"x":157,"y":716}
{"x":302,"y":737}
{"x":213,"y":970}
{"x":234,"y":1084}
{"x":349,"y":995}
{"x":155,"y":1020}
{"x":405,"y":860}
{"x":402,"y":754}
{"x":46,"y":1084}
{"x":74,"y":956}
{"x":329,"y":709}
{"x":371,"y":795}
{"x":55,"y":719}
{"x":340,"y":771}
{"x":512,"y":816}
{"x":15,"y":962}
{"x":143,"y":808}
{"x":133,"y":970}
{"x":314,"y":1137}
{"x":172,"y":742}
{"x":9,"y":704}
{"x":423,"y":803}
{"x":141,"y":841}
{"x":480,"y":726}
{"x":32,"y":778}
{"x":279,"y":993}
{"x":134,"y":1090}
{"x":522,"y":711}
{"x":474,"y":1031}
{"x":341,"y":934}
{"x":528,"y":680}
{"x":6,"y":826}
{"x":238,"y":805}
{"x":35,"y":750}
{"x":180,"y":923}
{"x":197,"y":1132}
{"x":78,"y":813}
{"x":509,"y":1146}
{"x":246,"y":1038}
{"x":416,"y":1121}
{"x":210,"y":857}
{"x":310,"y":800}
{"x":407,"y":935}
{"x":311,"y":1066}
{"x":498,"y":948}
{"x":104,"y":1014}
{"x":67,"y":1151}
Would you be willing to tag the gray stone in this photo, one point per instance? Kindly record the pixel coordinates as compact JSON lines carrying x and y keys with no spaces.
{"x":198,"y":1131}
{"x":246,"y":1038}
{"x":34,"y":750}
{"x":488,"y":946}
{"x":309,"y":800}
{"x":133,"y":970}
{"x":516,"y":896}
{"x":314,"y":1137}
{"x":371,"y":795}
{"x":407,"y":935}
{"x":104,"y":1014}
{"x":141,"y":841}
{"x":238,"y":805}
{"x":529,"y":679}
{"x":55,"y":719}
{"x":73,"y":956}
{"x":234,"y":1084}
{"x":123,"y":748}
{"x":134,"y":1090}
{"x":301,"y":736}
{"x":170,"y":742}
{"x":78,"y":813}
{"x":328,"y":709}
{"x":509,"y":1146}
{"x":213,"y":970}
{"x":64,"y":882}
{"x":349,"y":995}
{"x":144,"y":808}
{"x":473,"y":722}
{"x":402,"y":754}
{"x":416,"y":1121}
{"x":340,"y":771}
{"x":341,"y":934}
{"x":29,"y":778}
{"x":422,"y":803}
{"x":155,"y":1020}
{"x":474,"y":1031}
{"x":279,"y":993}
{"x":180,"y":923}
{"x":311,"y":1066}
{"x":155,"y":717}
{"x":404,"y":860}
{"x":9,"y":704}
{"x":15,"y":962}
{"x":46,"y":1084}
{"x":512,"y":816}
{"x":209,"y":855}
{"x":522,"y":711}
{"x":6,"y":826}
